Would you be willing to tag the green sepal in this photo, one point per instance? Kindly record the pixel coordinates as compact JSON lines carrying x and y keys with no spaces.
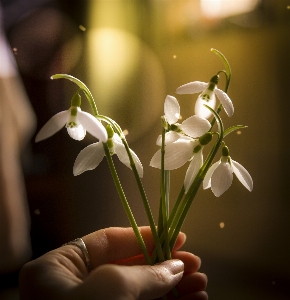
{"x":174,"y":127}
{"x":225,"y":151}
{"x":233,"y":128}
{"x":197,"y":148}
{"x":205,"y":139}
{"x":215,"y":79}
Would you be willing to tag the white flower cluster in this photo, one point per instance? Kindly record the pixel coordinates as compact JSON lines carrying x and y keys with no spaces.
{"x":183,"y":142}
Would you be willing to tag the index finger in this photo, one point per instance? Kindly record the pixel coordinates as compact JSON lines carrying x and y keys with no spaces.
{"x":116,"y":243}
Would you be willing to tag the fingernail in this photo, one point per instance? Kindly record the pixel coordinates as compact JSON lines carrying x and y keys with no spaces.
{"x":175,"y":266}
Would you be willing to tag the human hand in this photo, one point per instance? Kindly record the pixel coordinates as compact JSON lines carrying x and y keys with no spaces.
{"x":118,"y":271}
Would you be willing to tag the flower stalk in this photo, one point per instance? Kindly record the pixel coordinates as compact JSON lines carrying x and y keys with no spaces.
{"x":126,"y":205}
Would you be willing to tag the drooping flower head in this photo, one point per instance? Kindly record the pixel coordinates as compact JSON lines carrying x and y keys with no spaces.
{"x":76,"y":121}
{"x":193,"y":126}
{"x":219,"y":177}
{"x":181,"y":151}
{"x":208,"y":96}
{"x":91,"y":156}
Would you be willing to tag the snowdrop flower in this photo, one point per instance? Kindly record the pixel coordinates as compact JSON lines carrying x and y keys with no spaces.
{"x":91,"y":156}
{"x":220,"y":175}
{"x":208,"y":96}
{"x":194,"y":126}
{"x":76,"y":121}
{"x":179,"y":152}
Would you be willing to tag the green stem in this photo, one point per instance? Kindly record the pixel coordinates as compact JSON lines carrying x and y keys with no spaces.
{"x":164,"y":198}
{"x":188,"y":199}
{"x":126,"y":204}
{"x":228,"y":73}
{"x":82,"y":86}
{"x":145,"y":203}
{"x":227,"y":67}
{"x":118,"y":130}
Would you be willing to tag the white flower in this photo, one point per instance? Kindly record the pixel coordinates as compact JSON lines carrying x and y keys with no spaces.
{"x":220,"y":176}
{"x":208,"y":96}
{"x":77,"y":123}
{"x":91,"y":156}
{"x":194,"y":126}
{"x":177,"y":154}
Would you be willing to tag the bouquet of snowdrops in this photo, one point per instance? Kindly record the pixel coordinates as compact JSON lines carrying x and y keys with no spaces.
{"x":179,"y":144}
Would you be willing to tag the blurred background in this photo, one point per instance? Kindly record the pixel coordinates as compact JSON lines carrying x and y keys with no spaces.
{"x":131,"y":54}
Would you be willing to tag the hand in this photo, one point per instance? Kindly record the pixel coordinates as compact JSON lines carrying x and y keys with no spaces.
{"x":118,"y":271}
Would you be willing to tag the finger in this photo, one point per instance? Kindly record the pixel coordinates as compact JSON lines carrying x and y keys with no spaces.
{"x":191,"y":283}
{"x":131,"y":282}
{"x":191,"y":262}
{"x":113,"y":244}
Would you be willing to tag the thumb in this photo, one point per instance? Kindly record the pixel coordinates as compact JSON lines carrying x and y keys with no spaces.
{"x":131,"y":282}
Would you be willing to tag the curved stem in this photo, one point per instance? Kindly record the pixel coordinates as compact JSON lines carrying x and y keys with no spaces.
{"x":82,"y":86}
{"x":227,"y":67}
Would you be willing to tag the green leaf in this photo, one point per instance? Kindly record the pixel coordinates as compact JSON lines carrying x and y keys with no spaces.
{"x":233,"y":128}
{"x":224,"y":60}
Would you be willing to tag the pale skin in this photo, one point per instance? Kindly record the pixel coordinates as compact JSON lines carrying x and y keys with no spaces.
{"x":118,"y":271}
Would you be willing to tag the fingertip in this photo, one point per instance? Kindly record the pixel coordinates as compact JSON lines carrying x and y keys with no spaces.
{"x":181,"y":239}
{"x":175,"y":266}
{"x":192,"y":262}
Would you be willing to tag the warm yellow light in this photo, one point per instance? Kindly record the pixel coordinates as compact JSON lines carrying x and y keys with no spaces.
{"x":225,"y":8}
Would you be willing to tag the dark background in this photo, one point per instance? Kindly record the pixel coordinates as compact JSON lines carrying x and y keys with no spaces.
{"x":131,"y":54}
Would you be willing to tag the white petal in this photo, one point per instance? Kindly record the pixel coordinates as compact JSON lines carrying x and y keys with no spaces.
{"x":192,"y":87}
{"x":243,"y":175}
{"x":171,"y":109}
{"x":176,"y":154}
{"x":207,"y":177}
{"x":221,"y":178}
{"x":225,"y":101}
{"x":53,"y":125}
{"x":201,"y":110}
{"x":92,"y":125}
{"x":170,"y":137}
{"x":89,"y":158}
{"x":77,"y":133}
{"x":193,"y":169}
{"x":124,"y":158}
{"x":195,"y":126}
